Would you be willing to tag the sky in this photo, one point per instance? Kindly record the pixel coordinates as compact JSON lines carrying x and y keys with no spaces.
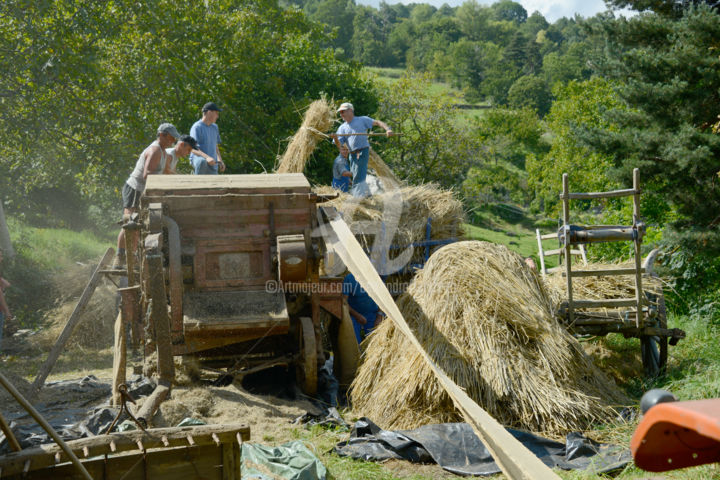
{"x":551,"y":9}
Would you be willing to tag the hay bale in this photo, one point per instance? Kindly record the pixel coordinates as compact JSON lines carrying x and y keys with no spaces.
{"x":318,"y":119}
{"x":486,"y":319}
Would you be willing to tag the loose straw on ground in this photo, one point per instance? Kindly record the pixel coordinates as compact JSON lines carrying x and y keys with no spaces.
{"x":486,"y":319}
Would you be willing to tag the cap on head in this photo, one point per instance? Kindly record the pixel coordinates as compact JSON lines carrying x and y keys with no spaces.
{"x":170,"y":129}
{"x":346,"y":106}
{"x":190,"y":141}
{"x":211,"y":106}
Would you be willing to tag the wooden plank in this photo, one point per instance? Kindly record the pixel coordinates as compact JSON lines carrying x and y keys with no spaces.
{"x":636,"y":219}
{"x":548,"y":236}
{"x":568,"y":248}
{"x":558,"y":251}
{"x":71,"y":323}
{"x":541,"y":253}
{"x":238,"y":183}
{"x":606,"y":303}
{"x":605,"y":272}
{"x":119,"y":358}
{"x":594,"y":195}
{"x":513,"y":457}
{"x":44,"y":456}
{"x":9,"y":435}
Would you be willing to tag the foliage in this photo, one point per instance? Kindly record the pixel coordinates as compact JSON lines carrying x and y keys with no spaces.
{"x":577,"y":105}
{"x":84,"y":85}
{"x":506,"y":138}
{"x":674,"y":91}
{"x":530,"y":91}
{"x":433,"y":147}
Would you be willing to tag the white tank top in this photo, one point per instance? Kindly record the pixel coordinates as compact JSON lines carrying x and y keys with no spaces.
{"x":136,"y":177}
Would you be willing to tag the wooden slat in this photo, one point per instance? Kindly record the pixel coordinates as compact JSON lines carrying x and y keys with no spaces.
{"x":44,"y":455}
{"x":513,"y":457}
{"x":605,"y":272}
{"x":549,"y":236}
{"x":558,"y":251}
{"x":71,"y":323}
{"x":230,"y":182}
{"x":606,"y":303}
{"x":593,"y":195}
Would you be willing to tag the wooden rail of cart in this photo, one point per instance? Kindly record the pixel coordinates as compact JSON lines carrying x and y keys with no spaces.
{"x":642,"y":316}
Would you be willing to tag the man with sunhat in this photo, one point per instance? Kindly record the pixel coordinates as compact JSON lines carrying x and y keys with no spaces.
{"x":207,"y":134}
{"x":152,"y":161}
{"x":358,"y":145}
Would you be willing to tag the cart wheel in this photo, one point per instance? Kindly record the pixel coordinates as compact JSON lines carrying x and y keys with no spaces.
{"x":653,"y":348}
{"x":306,"y":365}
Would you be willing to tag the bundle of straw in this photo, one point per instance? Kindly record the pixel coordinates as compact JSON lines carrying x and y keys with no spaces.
{"x":404,"y":211}
{"x":383,"y":171}
{"x":318,"y":119}
{"x":485,"y":318}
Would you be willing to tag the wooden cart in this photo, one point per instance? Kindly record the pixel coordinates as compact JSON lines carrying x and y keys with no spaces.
{"x":642,"y":316}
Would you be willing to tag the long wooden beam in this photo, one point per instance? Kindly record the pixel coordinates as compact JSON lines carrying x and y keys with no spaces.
{"x":71,"y":324}
{"x":513,"y":457}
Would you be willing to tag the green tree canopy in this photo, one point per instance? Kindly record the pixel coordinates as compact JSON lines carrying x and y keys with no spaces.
{"x":85,"y":85}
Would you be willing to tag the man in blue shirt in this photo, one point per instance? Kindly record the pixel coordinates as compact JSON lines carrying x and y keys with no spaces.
{"x":365,"y":313}
{"x":341,"y":173}
{"x":353,"y":134}
{"x":207,"y":134}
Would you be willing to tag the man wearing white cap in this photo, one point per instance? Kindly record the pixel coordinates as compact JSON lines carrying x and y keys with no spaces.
{"x":357,"y":144}
{"x":151,"y":162}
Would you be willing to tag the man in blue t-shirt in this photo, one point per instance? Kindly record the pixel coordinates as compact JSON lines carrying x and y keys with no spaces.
{"x":207,"y":134}
{"x":365,"y":313}
{"x":353,"y":134}
{"x":341,"y":173}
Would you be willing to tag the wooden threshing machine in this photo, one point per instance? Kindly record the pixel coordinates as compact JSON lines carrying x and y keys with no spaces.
{"x":230,"y":275}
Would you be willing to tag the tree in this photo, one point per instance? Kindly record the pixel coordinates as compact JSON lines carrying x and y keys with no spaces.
{"x":84,"y":87}
{"x":433,"y":147}
{"x":509,"y":11}
{"x":672,"y":8}
{"x":673,"y":88}
{"x":577,"y":105}
{"x":338,"y":15}
{"x":532,"y":92}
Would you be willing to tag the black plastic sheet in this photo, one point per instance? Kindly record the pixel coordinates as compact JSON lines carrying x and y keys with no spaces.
{"x":84,"y":419}
{"x":456,"y":448}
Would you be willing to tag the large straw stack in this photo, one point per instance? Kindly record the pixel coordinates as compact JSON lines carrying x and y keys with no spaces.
{"x":486,"y":319}
{"x":318,"y":120}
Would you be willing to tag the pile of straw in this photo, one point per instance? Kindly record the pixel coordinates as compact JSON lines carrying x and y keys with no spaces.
{"x":486,"y":319}
{"x":318,"y":119}
{"x":404,"y":212}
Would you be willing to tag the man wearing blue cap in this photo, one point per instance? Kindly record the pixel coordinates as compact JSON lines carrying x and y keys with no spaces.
{"x":207,"y":134}
{"x":353,"y":134}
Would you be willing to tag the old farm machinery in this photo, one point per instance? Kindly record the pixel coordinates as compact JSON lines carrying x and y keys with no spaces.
{"x":230,"y":275}
{"x":642,"y":316}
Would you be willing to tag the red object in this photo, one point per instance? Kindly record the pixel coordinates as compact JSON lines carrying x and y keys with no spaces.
{"x":678,"y":435}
